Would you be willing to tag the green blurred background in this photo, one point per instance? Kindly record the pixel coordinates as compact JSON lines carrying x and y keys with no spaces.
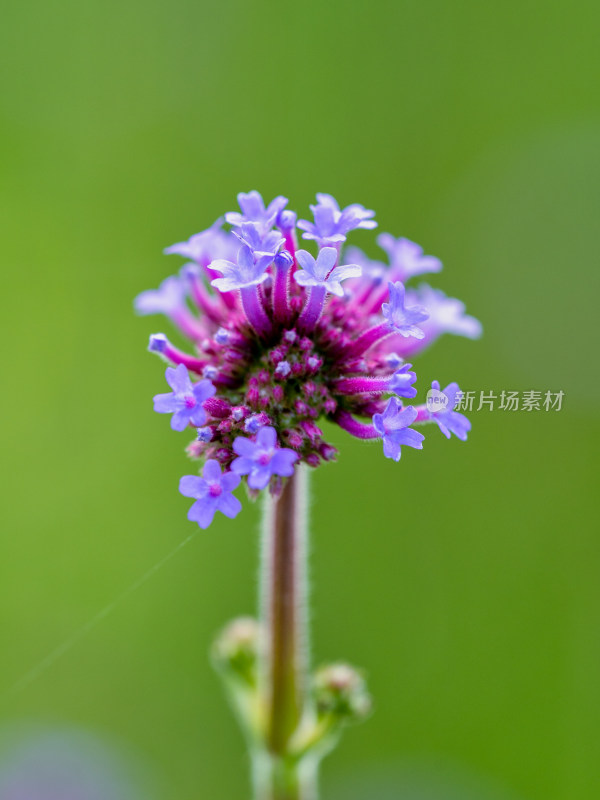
{"x":465,"y":578}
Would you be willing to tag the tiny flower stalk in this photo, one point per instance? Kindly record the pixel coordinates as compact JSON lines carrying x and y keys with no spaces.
{"x":280,"y":338}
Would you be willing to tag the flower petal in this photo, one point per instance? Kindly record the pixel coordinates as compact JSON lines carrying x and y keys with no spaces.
{"x":197,"y":416}
{"x":212,"y":470}
{"x":166,"y":403}
{"x":259,"y":477}
{"x":283,"y":462}
{"x":178,"y":379}
{"x":244,"y":447}
{"x":202,"y":512}
{"x":325,"y":261}
{"x":306,"y":261}
{"x":203,"y":390}
{"x":266,"y":437}
{"x":410,"y":437}
{"x":230,"y":481}
{"x":229,"y":505}
{"x":242,"y":465}
{"x":180,"y":419}
{"x":192,"y":486}
{"x":391,"y":449}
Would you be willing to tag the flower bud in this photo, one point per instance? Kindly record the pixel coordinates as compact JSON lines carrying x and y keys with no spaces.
{"x":286,"y":221}
{"x":217,"y":407}
{"x":236,"y":648}
{"x":340,"y":690}
{"x":295,"y":439}
{"x":283,"y":260}
{"x":328,"y":452}
{"x":222,"y":336}
{"x":158,"y":343}
{"x":205,"y":434}
{"x":283,"y":369}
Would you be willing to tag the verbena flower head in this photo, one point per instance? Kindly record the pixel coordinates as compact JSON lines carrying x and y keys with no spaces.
{"x":281,"y":338}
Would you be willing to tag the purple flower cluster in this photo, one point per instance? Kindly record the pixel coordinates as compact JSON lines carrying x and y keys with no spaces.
{"x":282,"y":337}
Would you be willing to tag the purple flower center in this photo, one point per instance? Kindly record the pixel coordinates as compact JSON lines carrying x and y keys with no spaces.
{"x":215,"y":489}
{"x":264,"y":458}
{"x":190,"y":401}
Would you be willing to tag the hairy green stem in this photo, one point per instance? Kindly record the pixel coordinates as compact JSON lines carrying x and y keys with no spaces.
{"x":284,"y":669}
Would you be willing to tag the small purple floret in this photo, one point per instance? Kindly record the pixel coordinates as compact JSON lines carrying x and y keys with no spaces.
{"x":205,"y":246}
{"x":406,"y":257}
{"x":393,"y":428}
{"x":168,"y":299}
{"x":212,"y":492}
{"x":404,"y":320}
{"x":253,"y":210}
{"x":261,"y":459}
{"x":446,"y":314}
{"x":247,"y":271}
{"x":332,"y":225}
{"x":448,"y":420}
{"x":323,"y":272}
{"x":261,"y":244}
{"x":401,"y":382}
{"x":186,"y":399}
